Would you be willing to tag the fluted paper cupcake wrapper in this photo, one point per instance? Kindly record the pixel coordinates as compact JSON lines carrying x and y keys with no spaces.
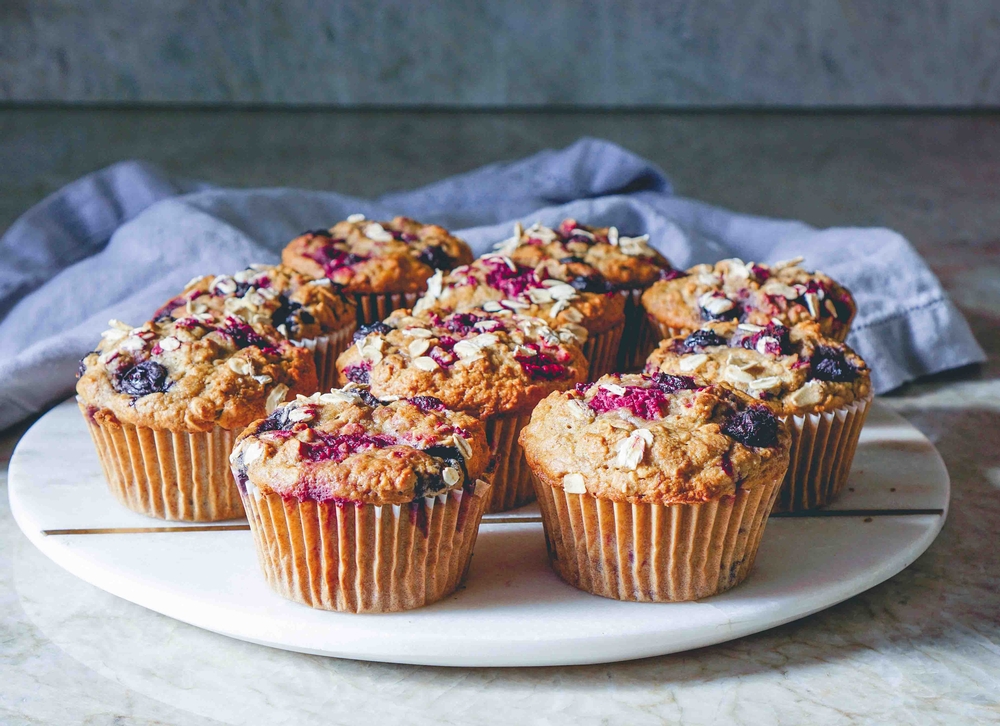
{"x":170,"y":475}
{"x":511,"y":477}
{"x":600,"y":351}
{"x":823,"y":447}
{"x":325,"y":350}
{"x":663,"y":331}
{"x":650,"y":552}
{"x":365,"y":559}
{"x":640,"y":336}
{"x":377,"y":306}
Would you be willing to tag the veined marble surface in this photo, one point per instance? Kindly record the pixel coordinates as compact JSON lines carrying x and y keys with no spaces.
{"x":922,"y":648}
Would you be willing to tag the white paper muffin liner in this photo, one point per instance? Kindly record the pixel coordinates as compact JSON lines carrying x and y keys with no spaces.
{"x":377,"y":306}
{"x":601,"y":349}
{"x":367,"y":558}
{"x":170,"y":475}
{"x":823,"y":446}
{"x":639,"y":338}
{"x":511,"y":477}
{"x":650,"y":552}
{"x":325,"y":350}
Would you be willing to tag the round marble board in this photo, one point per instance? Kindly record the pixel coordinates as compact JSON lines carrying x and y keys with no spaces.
{"x":513,"y":610}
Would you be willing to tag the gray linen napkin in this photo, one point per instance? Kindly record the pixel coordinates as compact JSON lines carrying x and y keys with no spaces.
{"x":117,"y":243}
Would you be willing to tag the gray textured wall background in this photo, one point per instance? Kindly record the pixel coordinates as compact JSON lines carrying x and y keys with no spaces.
{"x":482,"y":53}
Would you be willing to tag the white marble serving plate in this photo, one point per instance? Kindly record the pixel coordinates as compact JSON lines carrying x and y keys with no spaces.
{"x":513,"y":610}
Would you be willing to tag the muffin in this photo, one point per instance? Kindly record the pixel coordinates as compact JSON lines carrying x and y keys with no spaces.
{"x":783,"y":293}
{"x":384,"y":265}
{"x":493,"y":366}
{"x":363,"y":505}
{"x":819,"y":386}
{"x":629,"y":265}
{"x":550,"y":290}
{"x":165,"y":401}
{"x":312,"y":312}
{"x":654,"y":488}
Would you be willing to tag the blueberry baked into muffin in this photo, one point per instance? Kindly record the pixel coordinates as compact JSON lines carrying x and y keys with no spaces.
{"x":360,"y":504}
{"x":493,"y":366}
{"x":820,"y":386}
{"x":165,"y":401}
{"x":654,"y":488}
{"x":383,"y":265}
{"x":750,"y":293}
{"x":553,"y":291}
{"x":312,"y":312}
{"x":628,"y":264}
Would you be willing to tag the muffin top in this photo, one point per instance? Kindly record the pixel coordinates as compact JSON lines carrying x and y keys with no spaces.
{"x":376,"y":257}
{"x":794,"y":370}
{"x":485,"y":364}
{"x":625,"y":262}
{"x":267,"y":296}
{"x":191,"y":373}
{"x":752,"y":293}
{"x":549,"y":291}
{"x":658,"y":439}
{"x":348,"y":446}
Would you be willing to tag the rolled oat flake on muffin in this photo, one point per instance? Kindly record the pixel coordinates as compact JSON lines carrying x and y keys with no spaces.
{"x":408,"y":476}
{"x":674,"y":457}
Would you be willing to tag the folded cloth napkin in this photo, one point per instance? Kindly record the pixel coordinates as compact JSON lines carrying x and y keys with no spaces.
{"x":119,"y":242}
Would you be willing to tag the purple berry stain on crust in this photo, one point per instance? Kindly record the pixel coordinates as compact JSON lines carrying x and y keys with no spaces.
{"x":541,"y":366}
{"x":360,"y":373}
{"x":647,"y":403}
{"x":332,"y":258}
{"x":669,"y":273}
{"x":277,"y":421}
{"x":427,"y":403}
{"x":460,"y":323}
{"x":701,"y":339}
{"x":337,"y":447}
{"x":774,"y":337}
{"x":671,"y":384}
{"x":244,"y":336}
{"x":754,"y":426}
{"x":511,"y":282}
{"x":142,"y":379}
{"x":829,"y":364}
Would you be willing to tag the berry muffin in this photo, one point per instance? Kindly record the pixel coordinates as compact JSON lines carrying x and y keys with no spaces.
{"x":819,"y":386}
{"x":494,"y":366}
{"x":165,"y":401}
{"x":654,"y":488}
{"x":629,"y":265}
{"x":384,"y":265}
{"x":783,"y":293}
{"x":363,"y":505}
{"x":312,"y":312}
{"x":550,"y":290}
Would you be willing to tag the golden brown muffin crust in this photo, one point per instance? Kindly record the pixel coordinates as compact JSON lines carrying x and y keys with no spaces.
{"x":483,"y":364}
{"x":364,"y":256}
{"x":191,"y":374}
{"x":655,"y":440}
{"x":349,"y":447}
{"x":751,"y":293}
{"x":794,"y":371}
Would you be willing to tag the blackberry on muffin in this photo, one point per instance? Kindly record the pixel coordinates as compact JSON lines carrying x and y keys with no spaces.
{"x":654,"y":488}
{"x":494,"y":366}
{"x":384,"y":265}
{"x":386,"y":497}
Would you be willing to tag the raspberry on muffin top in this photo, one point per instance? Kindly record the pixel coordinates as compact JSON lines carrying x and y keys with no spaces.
{"x":659,"y":439}
{"x":549,"y":291}
{"x":272,"y":296}
{"x":795,"y":370}
{"x":347,"y":446}
{"x":752,"y":293}
{"x":625,"y":262}
{"x":483,"y":363}
{"x":365,"y":256}
{"x":191,"y":373}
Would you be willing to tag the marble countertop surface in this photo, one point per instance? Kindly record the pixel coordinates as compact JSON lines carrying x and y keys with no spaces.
{"x":922,"y":648}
